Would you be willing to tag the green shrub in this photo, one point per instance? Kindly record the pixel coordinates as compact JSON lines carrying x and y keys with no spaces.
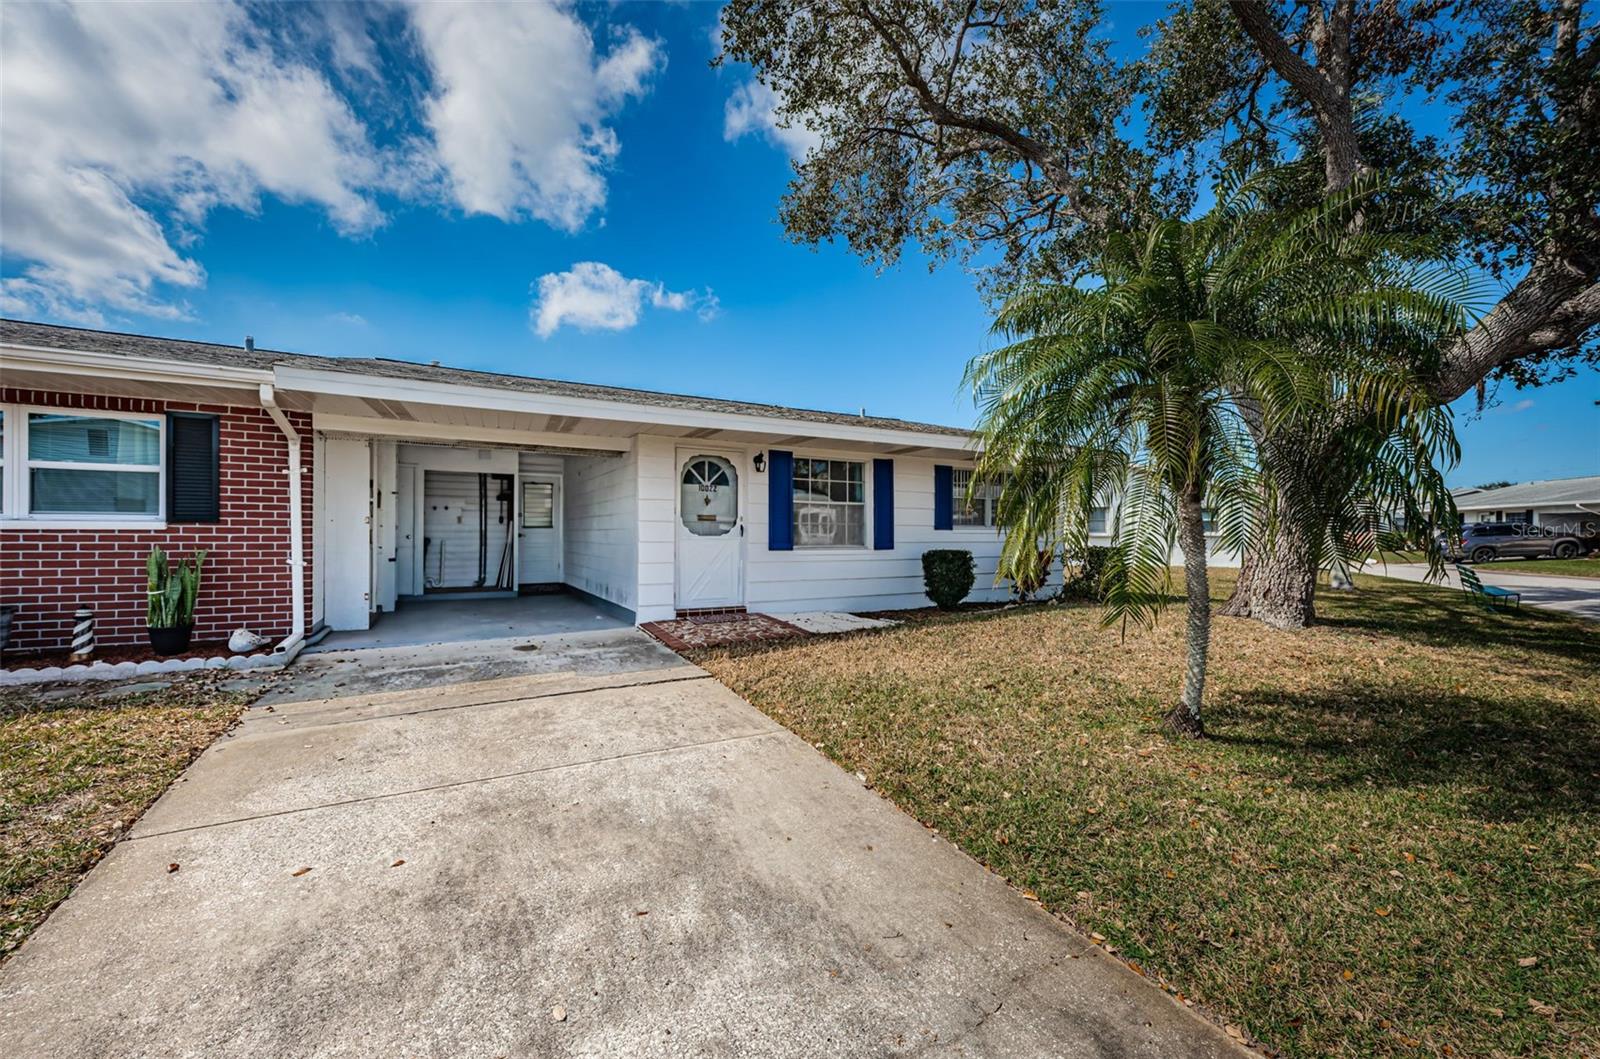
{"x":172,"y":589}
{"x":1083,"y":575}
{"x":947,"y":576}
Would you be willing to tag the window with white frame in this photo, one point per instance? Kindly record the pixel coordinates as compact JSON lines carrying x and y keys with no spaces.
{"x":973,"y":507}
{"x":1097,"y":520}
{"x":538,"y":505}
{"x":69,"y":465}
{"x":830,"y":503}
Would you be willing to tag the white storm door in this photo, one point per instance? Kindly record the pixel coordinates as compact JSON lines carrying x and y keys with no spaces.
{"x":539,"y":531}
{"x":347,"y":535}
{"x":710,"y":531}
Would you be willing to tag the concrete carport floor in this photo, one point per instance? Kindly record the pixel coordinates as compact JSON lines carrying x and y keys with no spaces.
{"x":586,"y":849}
{"x":449,"y":619}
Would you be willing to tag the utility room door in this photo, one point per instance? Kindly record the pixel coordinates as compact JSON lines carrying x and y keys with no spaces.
{"x":539,"y":530}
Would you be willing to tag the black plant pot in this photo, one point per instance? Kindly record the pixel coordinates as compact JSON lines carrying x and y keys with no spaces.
{"x":170,"y":641}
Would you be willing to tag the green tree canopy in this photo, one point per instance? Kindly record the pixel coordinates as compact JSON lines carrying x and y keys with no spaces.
{"x":1149,"y":389}
{"x":1015,"y":126}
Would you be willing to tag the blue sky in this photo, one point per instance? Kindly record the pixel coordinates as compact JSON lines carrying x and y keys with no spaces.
{"x":348,"y":191}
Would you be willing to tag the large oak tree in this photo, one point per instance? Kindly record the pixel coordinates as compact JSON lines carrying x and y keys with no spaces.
{"x":1013,"y":134}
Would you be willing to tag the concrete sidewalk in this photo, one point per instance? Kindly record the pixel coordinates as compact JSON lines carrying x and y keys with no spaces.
{"x":1578,"y":596}
{"x":597,"y":851}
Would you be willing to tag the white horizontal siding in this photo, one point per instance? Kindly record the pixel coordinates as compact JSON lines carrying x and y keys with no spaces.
{"x":601,"y":527}
{"x":851,"y":579}
{"x":539,"y":463}
{"x":450,"y":526}
{"x":865,"y":578}
{"x":657,"y":483}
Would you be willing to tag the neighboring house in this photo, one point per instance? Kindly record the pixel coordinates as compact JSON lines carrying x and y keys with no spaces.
{"x":385,"y":483}
{"x":1558,"y":505}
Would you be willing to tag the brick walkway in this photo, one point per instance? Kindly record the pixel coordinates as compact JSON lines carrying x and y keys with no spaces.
{"x":689,"y":634}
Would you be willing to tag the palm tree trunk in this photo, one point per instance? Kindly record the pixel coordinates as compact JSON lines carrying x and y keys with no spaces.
{"x":1185,"y":717}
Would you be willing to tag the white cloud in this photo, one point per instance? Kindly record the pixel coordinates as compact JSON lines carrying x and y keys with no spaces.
{"x":753,"y":110}
{"x":519,"y":106}
{"x":349,"y":319}
{"x":126,"y":125}
{"x":592,"y":296}
{"x":115,"y":110}
{"x":1523,"y":405}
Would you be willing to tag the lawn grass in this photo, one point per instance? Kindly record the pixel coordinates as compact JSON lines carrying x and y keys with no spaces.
{"x":1554,"y":567}
{"x":1557,"y":567}
{"x":76,"y":773}
{"x":1390,"y":846}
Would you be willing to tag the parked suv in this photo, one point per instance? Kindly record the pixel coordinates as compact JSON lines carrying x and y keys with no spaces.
{"x":1481,"y":542}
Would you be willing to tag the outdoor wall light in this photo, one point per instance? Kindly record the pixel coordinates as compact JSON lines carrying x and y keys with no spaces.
{"x":760,"y":462}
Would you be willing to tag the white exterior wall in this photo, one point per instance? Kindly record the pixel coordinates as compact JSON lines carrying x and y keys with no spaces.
{"x":856,"y":579}
{"x":657,"y":469}
{"x":445,"y":507}
{"x":600,"y":539}
{"x":806,"y":579}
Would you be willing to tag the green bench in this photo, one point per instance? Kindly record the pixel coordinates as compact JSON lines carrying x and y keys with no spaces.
{"x":1490,"y":597}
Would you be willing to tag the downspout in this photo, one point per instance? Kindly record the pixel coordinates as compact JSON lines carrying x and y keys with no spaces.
{"x":297,"y":558}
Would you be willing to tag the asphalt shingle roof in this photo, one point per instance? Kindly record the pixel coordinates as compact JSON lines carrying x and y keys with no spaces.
{"x":1533,"y":494}
{"x":51,"y":336}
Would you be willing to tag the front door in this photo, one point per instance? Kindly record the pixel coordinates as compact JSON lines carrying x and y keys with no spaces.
{"x":539,"y":531}
{"x":710,"y":532}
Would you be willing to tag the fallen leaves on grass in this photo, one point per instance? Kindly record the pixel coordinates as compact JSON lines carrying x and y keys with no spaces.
{"x":1236,"y":866}
{"x":77,"y":771}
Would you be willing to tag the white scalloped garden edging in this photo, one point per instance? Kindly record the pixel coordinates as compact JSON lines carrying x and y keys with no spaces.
{"x":149,"y":667}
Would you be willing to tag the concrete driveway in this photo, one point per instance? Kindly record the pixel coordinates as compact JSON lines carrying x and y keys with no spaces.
{"x":1578,"y":596}
{"x":586,"y":849}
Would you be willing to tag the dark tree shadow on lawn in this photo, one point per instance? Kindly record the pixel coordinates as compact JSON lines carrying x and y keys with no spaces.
{"x":1445,"y":618}
{"x":1519,"y":756}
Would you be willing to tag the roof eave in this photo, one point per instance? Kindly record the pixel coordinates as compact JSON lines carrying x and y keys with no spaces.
{"x":386,"y":388}
{"x":20,"y":357}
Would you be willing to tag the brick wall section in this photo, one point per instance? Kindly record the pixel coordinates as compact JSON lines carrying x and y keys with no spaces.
{"x":246,"y":582}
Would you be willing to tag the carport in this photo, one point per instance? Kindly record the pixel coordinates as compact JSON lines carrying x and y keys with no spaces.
{"x":447,"y":620}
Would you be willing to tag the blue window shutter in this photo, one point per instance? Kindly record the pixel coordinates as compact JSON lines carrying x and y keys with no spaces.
{"x":943,"y":485}
{"x":780,"y":500}
{"x":882,"y":505}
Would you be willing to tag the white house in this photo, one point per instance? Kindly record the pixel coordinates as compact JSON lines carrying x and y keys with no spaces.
{"x":1561,"y":505}
{"x":387,"y":484}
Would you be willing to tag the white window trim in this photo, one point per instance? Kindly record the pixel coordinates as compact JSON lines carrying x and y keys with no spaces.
{"x":15,"y":480}
{"x":988,"y":529}
{"x":867,"y":512}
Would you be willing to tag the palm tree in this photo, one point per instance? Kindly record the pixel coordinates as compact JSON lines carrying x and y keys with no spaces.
{"x":1150,"y":390}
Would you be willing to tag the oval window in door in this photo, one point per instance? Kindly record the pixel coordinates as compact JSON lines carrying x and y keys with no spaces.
{"x":709,"y":502}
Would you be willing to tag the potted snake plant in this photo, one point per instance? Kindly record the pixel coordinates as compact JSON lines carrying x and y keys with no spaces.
{"x":173,"y":586}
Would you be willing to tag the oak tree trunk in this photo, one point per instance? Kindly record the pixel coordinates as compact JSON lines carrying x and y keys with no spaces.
{"x":1278,"y":577}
